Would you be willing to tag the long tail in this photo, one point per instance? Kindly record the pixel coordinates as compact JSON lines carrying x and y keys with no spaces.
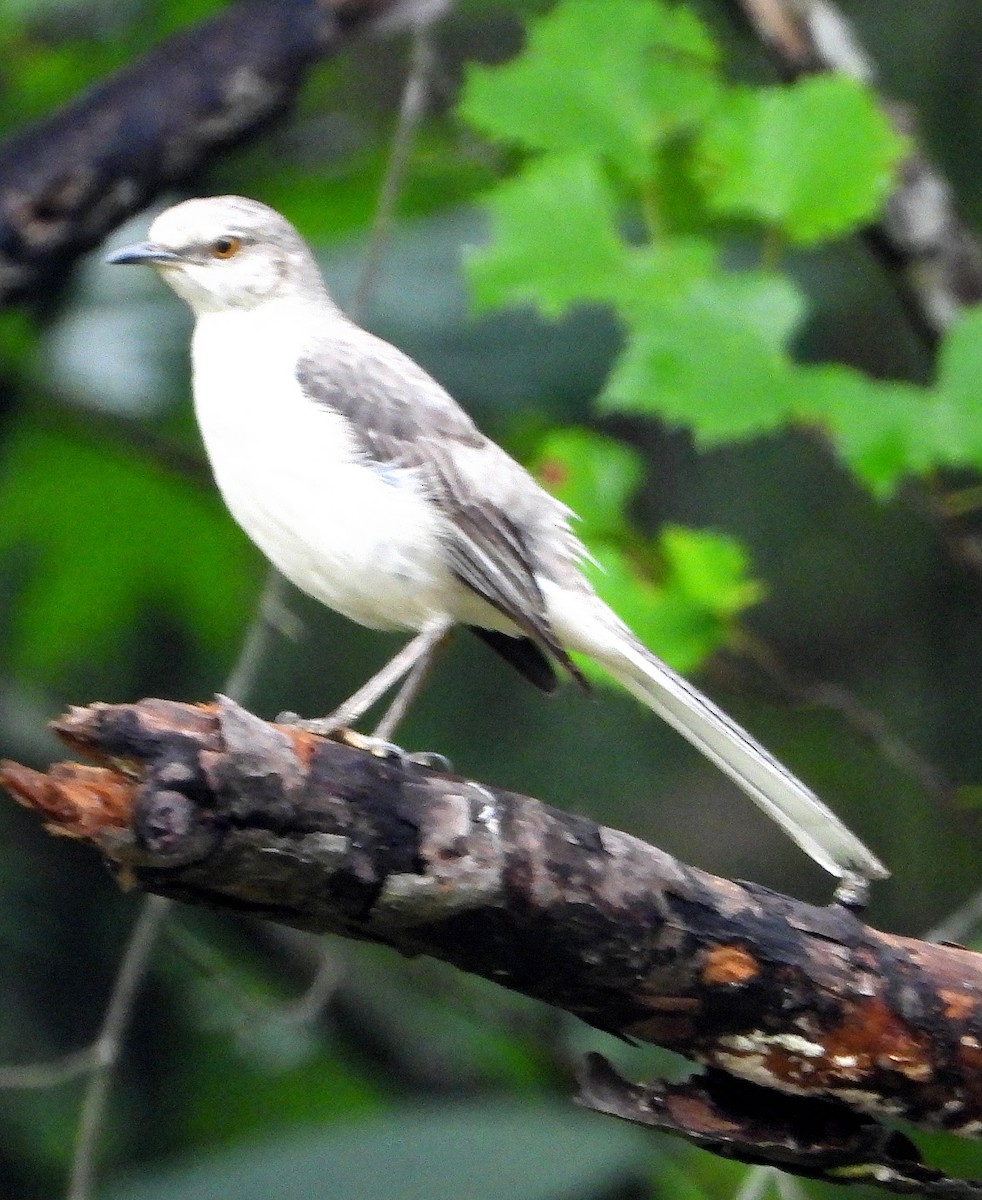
{"x":799,"y":812}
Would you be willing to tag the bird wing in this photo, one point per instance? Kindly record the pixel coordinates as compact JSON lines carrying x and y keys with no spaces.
{"x":401,"y":418}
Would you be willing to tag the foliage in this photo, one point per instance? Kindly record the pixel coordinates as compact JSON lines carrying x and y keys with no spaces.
{"x":701,"y":577}
{"x":704,"y":346}
{"x":85,"y":575}
{"x":615,"y":105}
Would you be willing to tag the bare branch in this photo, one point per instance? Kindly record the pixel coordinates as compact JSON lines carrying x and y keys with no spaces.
{"x":210,"y":805}
{"x":107,"y":1046}
{"x":868,"y":723}
{"x":412,"y":109}
{"x":38,"y":1075}
{"x":70,"y":179}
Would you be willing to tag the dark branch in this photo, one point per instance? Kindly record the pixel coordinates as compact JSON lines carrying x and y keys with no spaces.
{"x":70,"y":179}
{"x":210,"y":805}
{"x":739,"y":1120}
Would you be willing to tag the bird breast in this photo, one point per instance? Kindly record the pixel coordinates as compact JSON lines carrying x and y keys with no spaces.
{"x":360,"y":538}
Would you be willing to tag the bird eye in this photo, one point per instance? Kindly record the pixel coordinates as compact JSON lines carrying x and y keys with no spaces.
{"x":225,"y":247}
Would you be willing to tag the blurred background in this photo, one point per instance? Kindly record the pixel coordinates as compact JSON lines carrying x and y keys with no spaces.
{"x":121,"y":576}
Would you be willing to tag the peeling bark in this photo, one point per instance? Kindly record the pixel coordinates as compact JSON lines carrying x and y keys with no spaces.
{"x":738,"y":1120}
{"x":68,"y":180}
{"x":210,"y":805}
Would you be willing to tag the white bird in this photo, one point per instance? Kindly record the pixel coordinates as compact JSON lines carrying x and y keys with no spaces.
{"x":370,"y":489}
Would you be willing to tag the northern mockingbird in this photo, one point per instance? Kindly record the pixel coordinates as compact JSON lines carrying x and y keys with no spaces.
{"x":370,"y":489}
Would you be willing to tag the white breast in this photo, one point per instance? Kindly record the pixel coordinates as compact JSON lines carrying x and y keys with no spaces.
{"x":361,"y":541}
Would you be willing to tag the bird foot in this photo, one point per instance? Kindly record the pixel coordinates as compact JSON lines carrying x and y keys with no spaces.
{"x":376,"y":746}
{"x":379,"y":747}
{"x":333,"y":728}
{"x":852,"y":893}
{"x":322,"y":726}
{"x":433,"y":760}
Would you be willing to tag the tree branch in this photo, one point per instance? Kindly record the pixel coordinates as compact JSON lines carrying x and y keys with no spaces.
{"x":70,"y":179}
{"x":921,"y":236}
{"x":798,"y":1004}
{"x":751,"y":1124}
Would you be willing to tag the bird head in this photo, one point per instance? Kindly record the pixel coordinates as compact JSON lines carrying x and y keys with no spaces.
{"x":226,"y":252}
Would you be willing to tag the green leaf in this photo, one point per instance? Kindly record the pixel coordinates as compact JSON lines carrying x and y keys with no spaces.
{"x":886,"y":431}
{"x":663,"y":271}
{"x":613,"y":78}
{"x":592,"y":474}
{"x":664,"y":619}
{"x":815,"y":158}
{"x":710,"y":568}
{"x":959,"y":376}
{"x":554,"y":238}
{"x":770,"y":305}
{"x":707,"y":352}
{"x":680,"y":606}
{"x":685,"y":615}
{"x":108,"y":535}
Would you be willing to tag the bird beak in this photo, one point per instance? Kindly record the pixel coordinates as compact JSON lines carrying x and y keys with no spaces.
{"x":143,"y":252}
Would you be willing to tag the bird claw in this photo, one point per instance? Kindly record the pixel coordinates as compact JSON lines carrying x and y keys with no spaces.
{"x":334,"y":729}
{"x":852,"y":892}
{"x":381,"y":748}
{"x":432,"y":760}
{"x":322,"y":726}
{"x":376,"y":746}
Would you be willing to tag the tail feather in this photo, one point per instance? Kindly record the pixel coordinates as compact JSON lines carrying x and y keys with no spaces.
{"x":585,"y":624}
{"x":799,"y":812}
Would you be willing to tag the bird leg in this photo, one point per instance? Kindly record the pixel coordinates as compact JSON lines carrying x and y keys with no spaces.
{"x":412,"y":685}
{"x":413,"y":654}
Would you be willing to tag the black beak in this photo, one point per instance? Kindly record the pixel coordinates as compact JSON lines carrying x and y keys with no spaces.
{"x":143,"y":252}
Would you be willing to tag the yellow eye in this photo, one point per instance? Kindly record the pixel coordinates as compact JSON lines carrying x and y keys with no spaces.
{"x":225,"y":247}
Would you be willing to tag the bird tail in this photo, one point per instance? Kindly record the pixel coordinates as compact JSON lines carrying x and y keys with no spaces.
{"x":799,"y":812}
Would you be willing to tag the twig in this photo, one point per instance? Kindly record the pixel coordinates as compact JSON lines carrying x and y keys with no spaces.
{"x":412,"y":109}
{"x":959,"y":925}
{"x":272,"y":617}
{"x":308,"y":1007}
{"x":151,"y":922}
{"x":51,"y":1074}
{"x":305,"y":1009}
{"x":873,"y":726}
{"x":107,"y":1046}
{"x":870,"y":724}
{"x":755,"y":1183}
{"x":147,"y":929}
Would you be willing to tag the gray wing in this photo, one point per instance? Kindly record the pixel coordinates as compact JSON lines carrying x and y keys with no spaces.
{"x":403,"y":418}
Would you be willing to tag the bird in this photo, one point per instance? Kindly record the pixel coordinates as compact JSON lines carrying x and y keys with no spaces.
{"x":370,"y":489}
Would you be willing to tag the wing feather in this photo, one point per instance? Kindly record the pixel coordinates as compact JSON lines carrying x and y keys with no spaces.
{"x":402,"y":418}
